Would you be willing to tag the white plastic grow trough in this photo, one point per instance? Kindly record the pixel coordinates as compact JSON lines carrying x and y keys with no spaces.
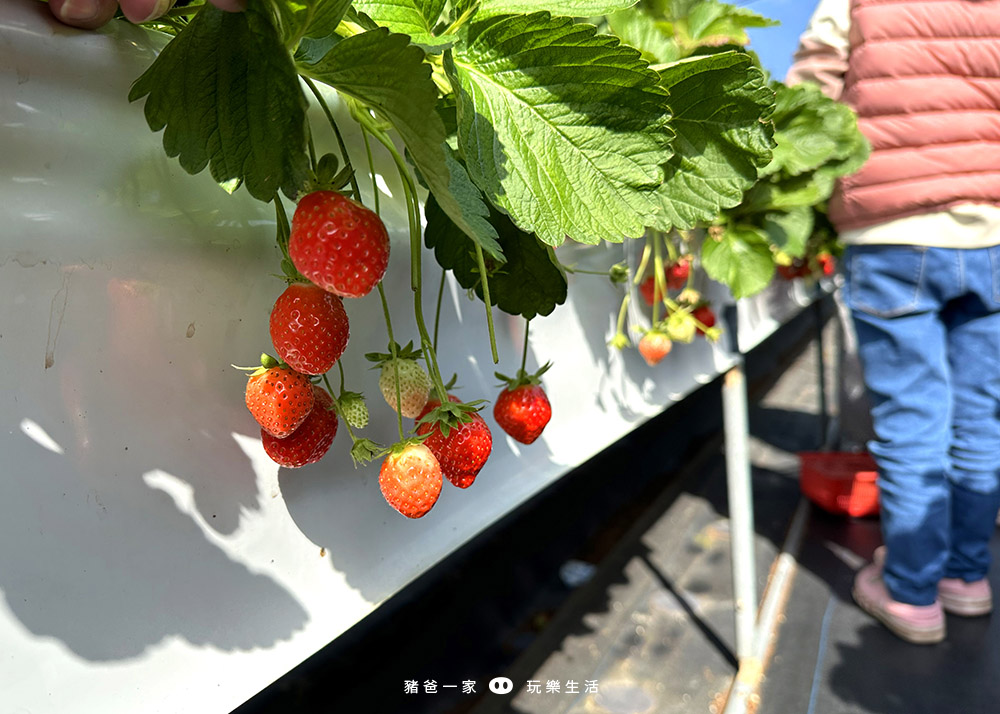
{"x":151,"y":555}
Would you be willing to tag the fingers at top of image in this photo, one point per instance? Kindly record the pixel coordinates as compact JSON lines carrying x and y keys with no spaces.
{"x":85,"y":14}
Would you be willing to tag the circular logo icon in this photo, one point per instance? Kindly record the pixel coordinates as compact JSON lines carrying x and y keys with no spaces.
{"x":501,"y":685}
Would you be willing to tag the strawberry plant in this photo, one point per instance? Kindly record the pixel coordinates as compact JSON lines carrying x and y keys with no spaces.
{"x":513,"y":129}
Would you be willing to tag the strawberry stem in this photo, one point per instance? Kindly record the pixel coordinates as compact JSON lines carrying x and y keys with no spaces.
{"x":281,"y":224}
{"x":371,"y":169}
{"x":469,"y":11}
{"x":643,"y":262}
{"x":620,"y":338}
{"x":336,"y":131}
{"x":312,"y":149}
{"x":671,"y":249}
{"x":481,"y":262}
{"x":350,"y":432}
{"x":395,"y":362}
{"x":413,"y":216}
{"x":524,"y":349}
{"x":579,"y":271}
{"x":660,"y":286}
{"x":437,"y":309}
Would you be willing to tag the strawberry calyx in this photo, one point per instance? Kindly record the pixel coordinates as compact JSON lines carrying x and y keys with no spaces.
{"x":266,"y":362}
{"x":522,"y":377}
{"x":380,"y":358}
{"x":365,"y":450}
{"x":449,"y":415}
{"x":328,"y":176}
{"x":400,"y":446}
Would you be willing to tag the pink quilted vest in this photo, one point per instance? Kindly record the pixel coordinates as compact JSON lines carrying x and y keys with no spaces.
{"x":924,"y":78}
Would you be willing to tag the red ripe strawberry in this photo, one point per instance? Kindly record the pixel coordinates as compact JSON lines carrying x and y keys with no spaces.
{"x":410,"y":479}
{"x":826,"y":263}
{"x":338,"y":244}
{"x":309,"y":328}
{"x":463,"y":451}
{"x":705,"y":315}
{"x":797,"y":269}
{"x":523,"y":410}
{"x":677,"y":273}
{"x":787,"y":272}
{"x":280,"y":399}
{"x":648,"y":290}
{"x":654,"y":346}
{"x":308,"y":443}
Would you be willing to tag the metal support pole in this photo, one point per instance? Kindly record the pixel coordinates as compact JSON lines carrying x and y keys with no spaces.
{"x":736,"y":425}
{"x":824,"y":406}
{"x":840,"y":345}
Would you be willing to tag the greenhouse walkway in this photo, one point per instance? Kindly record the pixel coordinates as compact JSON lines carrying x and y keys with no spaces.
{"x":652,"y":631}
{"x":611,"y":593}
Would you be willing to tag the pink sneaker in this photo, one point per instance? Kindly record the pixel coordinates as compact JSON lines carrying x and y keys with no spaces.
{"x":967,"y":599}
{"x":919,"y":624}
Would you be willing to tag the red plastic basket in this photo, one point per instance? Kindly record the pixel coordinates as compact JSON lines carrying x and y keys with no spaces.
{"x":840,"y":482}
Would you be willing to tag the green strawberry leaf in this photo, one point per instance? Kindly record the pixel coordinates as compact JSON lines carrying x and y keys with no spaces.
{"x":740,"y":257}
{"x":228,"y":96}
{"x":569,"y":8}
{"x":711,"y":23}
{"x":298,"y":19}
{"x":385,"y":72}
{"x":653,"y":38}
{"x":720,"y":105}
{"x":530,"y":283}
{"x":781,"y":194}
{"x":790,"y":230}
{"x":415,"y":18}
{"x":810,"y":130}
{"x":563,"y":129}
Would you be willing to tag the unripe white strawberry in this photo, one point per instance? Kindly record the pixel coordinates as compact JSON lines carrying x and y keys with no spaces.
{"x":414,"y":386}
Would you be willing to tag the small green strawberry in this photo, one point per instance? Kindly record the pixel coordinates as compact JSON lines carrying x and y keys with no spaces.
{"x":353,"y":409}
{"x":679,"y":326}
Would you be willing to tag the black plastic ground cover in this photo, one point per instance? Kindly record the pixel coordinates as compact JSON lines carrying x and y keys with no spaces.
{"x":472,"y":615}
{"x":832,"y":658}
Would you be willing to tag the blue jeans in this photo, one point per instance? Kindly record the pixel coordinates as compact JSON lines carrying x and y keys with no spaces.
{"x":928,"y":325}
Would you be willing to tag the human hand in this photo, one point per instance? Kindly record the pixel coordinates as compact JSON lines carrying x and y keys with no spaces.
{"x":91,"y":14}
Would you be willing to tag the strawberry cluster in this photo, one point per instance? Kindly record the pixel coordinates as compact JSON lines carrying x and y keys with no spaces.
{"x":336,"y":248}
{"x":687,"y":314}
{"x":823,"y":264}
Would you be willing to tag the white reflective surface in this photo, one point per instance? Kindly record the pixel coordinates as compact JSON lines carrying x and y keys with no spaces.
{"x":151,"y":555}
